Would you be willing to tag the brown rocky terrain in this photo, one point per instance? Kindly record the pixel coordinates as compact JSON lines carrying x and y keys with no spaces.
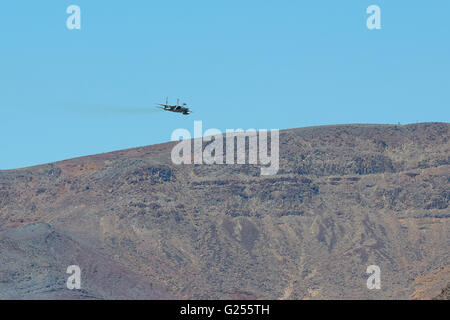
{"x":445,"y":294}
{"x":345,"y":197}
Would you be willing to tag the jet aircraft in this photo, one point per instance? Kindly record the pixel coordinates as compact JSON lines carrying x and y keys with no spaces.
{"x":175,"y":108}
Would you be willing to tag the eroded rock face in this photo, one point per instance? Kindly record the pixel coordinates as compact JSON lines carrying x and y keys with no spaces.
{"x":345,"y":197}
{"x":445,"y":294}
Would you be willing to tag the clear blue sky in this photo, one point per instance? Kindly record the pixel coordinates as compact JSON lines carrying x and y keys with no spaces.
{"x":239,"y":64}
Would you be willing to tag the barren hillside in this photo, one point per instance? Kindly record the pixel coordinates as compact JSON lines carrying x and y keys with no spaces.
{"x":345,"y":197}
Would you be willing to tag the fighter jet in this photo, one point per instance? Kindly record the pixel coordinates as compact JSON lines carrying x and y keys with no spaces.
{"x":175,"y":108}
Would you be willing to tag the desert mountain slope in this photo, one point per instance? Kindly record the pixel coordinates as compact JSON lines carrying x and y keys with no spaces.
{"x":345,"y":197}
{"x":444,"y":295}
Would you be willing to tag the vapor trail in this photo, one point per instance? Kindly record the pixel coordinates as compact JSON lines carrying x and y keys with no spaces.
{"x":105,"y":109}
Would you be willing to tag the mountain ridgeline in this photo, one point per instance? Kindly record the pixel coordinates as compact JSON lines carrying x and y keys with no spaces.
{"x":139,"y":227}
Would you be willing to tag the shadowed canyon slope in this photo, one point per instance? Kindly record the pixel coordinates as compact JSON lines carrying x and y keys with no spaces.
{"x":345,"y":197}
